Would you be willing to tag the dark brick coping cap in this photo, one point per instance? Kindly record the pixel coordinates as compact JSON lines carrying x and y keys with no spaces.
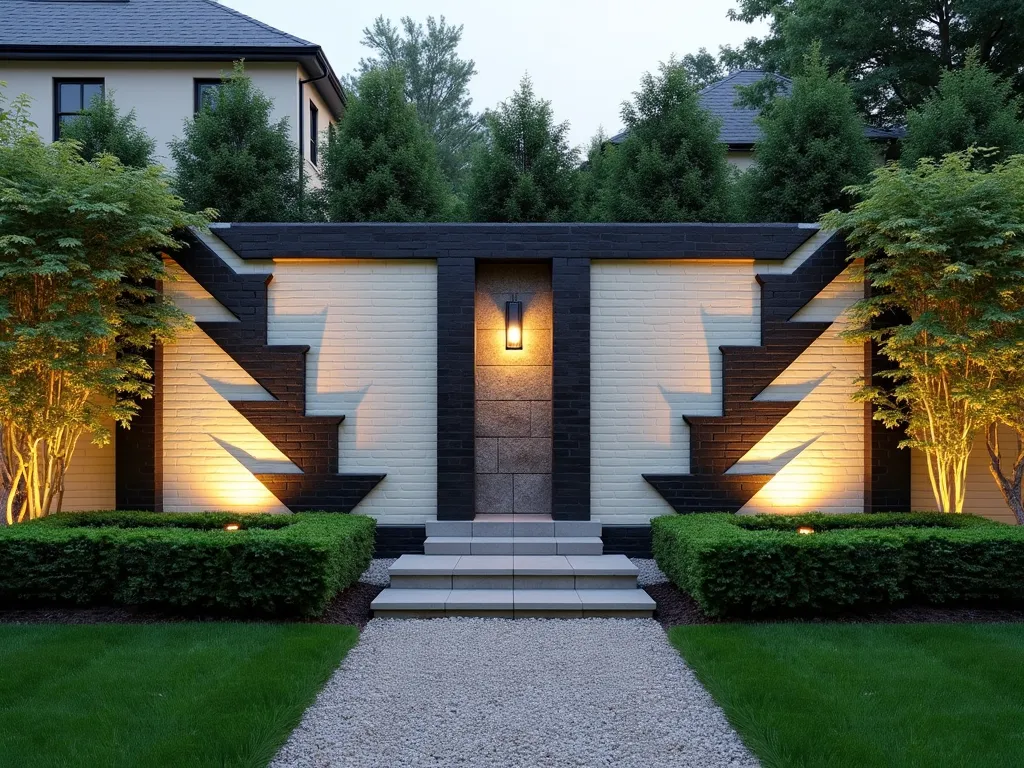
{"x":767,"y":242}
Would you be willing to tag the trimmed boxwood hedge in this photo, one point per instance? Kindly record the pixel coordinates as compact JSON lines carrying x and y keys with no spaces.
{"x":740,"y":566}
{"x":276,"y":565}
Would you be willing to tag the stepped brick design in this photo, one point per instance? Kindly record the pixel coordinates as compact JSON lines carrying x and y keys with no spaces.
{"x":718,"y":442}
{"x":310,"y":442}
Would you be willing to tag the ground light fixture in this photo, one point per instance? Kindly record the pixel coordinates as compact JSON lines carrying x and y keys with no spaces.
{"x":232,"y":527}
{"x":805,"y":529}
{"x":513,"y":324}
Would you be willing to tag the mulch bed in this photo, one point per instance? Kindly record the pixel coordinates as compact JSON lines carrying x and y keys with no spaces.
{"x":351,"y":607}
{"x":676,"y":607}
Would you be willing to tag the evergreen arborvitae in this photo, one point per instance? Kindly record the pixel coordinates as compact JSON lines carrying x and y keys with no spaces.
{"x":672,"y":166}
{"x":233,"y":158}
{"x":526,"y":171}
{"x":971,"y":107}
{"x":813,"y":147}
{"x":380,"y":163}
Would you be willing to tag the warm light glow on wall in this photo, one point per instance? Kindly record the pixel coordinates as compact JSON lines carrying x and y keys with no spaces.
{"x":513,"y":325}
{"x":790,"y":493}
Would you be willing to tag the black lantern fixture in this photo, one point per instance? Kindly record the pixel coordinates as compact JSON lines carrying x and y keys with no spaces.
{"x":513,"y":324}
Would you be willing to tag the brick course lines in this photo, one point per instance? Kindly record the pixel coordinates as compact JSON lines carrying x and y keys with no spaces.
{"x":310,"y":442}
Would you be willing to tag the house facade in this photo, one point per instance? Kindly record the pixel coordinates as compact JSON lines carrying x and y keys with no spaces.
{"x":739,"y":131}
{"x":603,"y":372}
{"x":159,"y":57}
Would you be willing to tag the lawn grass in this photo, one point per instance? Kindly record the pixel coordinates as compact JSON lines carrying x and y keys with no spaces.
{"x":811,"y":696}
{"x":177,"y":695}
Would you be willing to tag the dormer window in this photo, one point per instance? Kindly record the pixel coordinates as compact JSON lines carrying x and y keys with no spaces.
{"x":70,"y":97}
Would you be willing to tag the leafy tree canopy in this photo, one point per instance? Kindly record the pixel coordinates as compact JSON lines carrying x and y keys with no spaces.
{"x":971,"y":107}
{"x":943,"y":249}
{"x":436,"y":82}
{"x":894,"y":52}
{"x":703,"y":67}
{"x":380,"y":163}
{"x":102,"y":128}
{"x":526,"y":171}
{"x":233,"y":158}
{"x":80,"y":245}
{"x":812,"y":148}
{"x":671,"y":167}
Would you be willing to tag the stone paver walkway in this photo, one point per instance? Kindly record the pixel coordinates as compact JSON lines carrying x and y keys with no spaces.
{"x":495,"y":692}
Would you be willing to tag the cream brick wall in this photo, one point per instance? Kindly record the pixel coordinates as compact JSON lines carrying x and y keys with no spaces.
{"x":655,"y":332}
{"x":371,"y":328}
{"x":89,"y":482}
{"x":983,"y":495}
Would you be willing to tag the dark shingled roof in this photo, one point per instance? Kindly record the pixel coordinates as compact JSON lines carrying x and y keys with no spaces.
{"x":160,"y":29}
{"x":136,"y":23}
{"x":739,"y":130}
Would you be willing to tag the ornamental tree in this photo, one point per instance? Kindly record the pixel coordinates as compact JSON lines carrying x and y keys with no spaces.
{"x":526,"y":170}
{"x":672,"y":166}
{"x":102,"y":128}
{"x":812,"y":148}
{"x":233,"y":158}
{"x":942,"y":248}
{"x":380,"y":163}
{"x":80,"y":245}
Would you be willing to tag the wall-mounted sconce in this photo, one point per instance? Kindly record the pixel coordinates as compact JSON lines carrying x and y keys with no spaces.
{"x":513,"y":324}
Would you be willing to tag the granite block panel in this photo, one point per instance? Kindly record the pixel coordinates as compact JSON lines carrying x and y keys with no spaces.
{"x":530,"y":455}
{"x":494,"y":494}
{"x":495,"y":382}
{"x":531,"y":495}
{"x":503,"y":418}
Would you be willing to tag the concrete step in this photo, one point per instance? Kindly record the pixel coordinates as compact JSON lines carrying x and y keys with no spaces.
{"x":519,"y":526}
{"x":587,"y":572}
{"x":513,"y":545}
{"x":513,"y":603}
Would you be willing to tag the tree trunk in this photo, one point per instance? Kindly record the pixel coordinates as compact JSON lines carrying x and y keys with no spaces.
{"x":948,"y":476}
{"x":1009,"y":486}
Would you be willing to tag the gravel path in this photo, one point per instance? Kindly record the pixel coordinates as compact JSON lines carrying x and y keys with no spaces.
{"x":650,"y":573}
{"x":527,"y":692}
{"x":377,"y":573}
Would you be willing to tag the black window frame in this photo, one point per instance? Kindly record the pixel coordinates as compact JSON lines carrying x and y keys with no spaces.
{"x":314,"y":134}
{"x":197,"y":84}
{"x":79,"y":81}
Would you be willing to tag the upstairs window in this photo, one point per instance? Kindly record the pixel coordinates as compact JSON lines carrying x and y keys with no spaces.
{"x":314,"y":133}
{"x":70,"y":97}
{"x":206,"y":93}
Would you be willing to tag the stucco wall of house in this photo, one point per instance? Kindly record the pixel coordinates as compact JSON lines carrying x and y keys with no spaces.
{"x":656,"y":328}
{"x":161,"y":93}
{"x":371,"y":328}
{"x":983,"y":496}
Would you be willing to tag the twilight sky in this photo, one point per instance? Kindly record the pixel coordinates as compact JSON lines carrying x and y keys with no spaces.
{"x":585,"y":56}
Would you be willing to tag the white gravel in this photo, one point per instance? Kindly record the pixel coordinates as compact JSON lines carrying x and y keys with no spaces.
{"x":583,"y":693}
{"x":377,"y":573}
{"x":650,"y":573}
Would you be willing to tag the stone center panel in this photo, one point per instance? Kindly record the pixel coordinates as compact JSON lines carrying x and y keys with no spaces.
{"x":513,"y":391}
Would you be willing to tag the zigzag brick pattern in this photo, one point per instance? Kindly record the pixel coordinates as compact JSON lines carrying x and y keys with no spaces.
{"x":310,"y":442}
{"x":718,"y":442}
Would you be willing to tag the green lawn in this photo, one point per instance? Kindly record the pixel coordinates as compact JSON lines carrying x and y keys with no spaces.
{"x":916,"y":695}
{"x":176,"y":695}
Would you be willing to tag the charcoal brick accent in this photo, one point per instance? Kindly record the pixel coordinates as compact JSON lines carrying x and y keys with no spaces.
{"x":570,"y":280}
{"x":138,"y":451}
{"x":718,"y":442}
{"x":886,"y":466}
{"x":770,"y":242}
{"x":398,"y":540}
{"x":310,"y":442}
{"x":629,"y":540}
{"x":456,"y":337}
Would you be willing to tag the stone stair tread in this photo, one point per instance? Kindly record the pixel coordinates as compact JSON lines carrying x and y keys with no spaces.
{"x":411,"y":599}
{"x":547,"y":599}
{"x":615,"y":599}
{"x":544,"y":565}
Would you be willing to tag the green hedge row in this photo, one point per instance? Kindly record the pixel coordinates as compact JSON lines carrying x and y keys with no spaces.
{"x":759,"y":566}
{"x":276,"y":565}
